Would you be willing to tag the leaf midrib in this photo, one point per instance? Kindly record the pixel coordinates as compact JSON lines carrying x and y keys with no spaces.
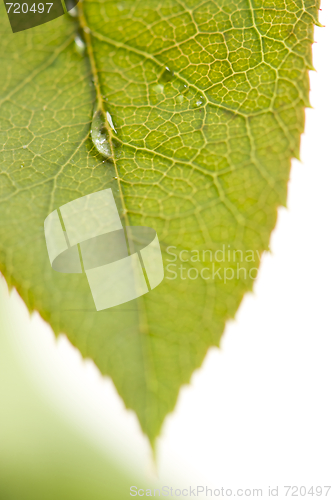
{"x":142,"y":327}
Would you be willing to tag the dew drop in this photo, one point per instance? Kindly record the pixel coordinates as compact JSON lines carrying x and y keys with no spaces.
{"x":110,"y":121}
{"x":167,"y":75}
{"x":158,"y":89}
{"x":79,"y":45}
{"x":25,"y":146}
{"x":73,"y":12}
{"x":99,"y":135}
{"x":199,"y":101}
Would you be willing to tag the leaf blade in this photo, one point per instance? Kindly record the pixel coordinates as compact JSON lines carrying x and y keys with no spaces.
{"x":207,"y":102}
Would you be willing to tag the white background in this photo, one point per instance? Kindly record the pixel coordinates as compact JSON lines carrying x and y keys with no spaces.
{"x":259,"y":411}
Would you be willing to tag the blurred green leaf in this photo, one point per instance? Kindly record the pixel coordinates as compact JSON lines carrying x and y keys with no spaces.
{"x":41,"y":455}
{"x":207,"y":105}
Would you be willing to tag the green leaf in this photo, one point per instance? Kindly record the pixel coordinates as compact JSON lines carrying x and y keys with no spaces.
{"x":207,"y":102}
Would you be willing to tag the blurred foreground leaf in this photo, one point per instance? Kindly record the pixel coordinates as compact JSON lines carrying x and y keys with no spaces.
{"x":41,"y":455}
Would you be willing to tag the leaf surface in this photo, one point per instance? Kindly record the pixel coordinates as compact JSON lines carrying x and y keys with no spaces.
{"x":206,"y":100}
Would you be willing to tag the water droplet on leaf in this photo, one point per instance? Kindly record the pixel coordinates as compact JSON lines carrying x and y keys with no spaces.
{"x":73,"y":12}
{"x":110,"y":121}
{"x":184,"y":88}
{"x":199,"y":101}
{"x":167,"y":75}
{"x":158,"y":89}
{"x":99,"y":135}
{"x":79,"y":45}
